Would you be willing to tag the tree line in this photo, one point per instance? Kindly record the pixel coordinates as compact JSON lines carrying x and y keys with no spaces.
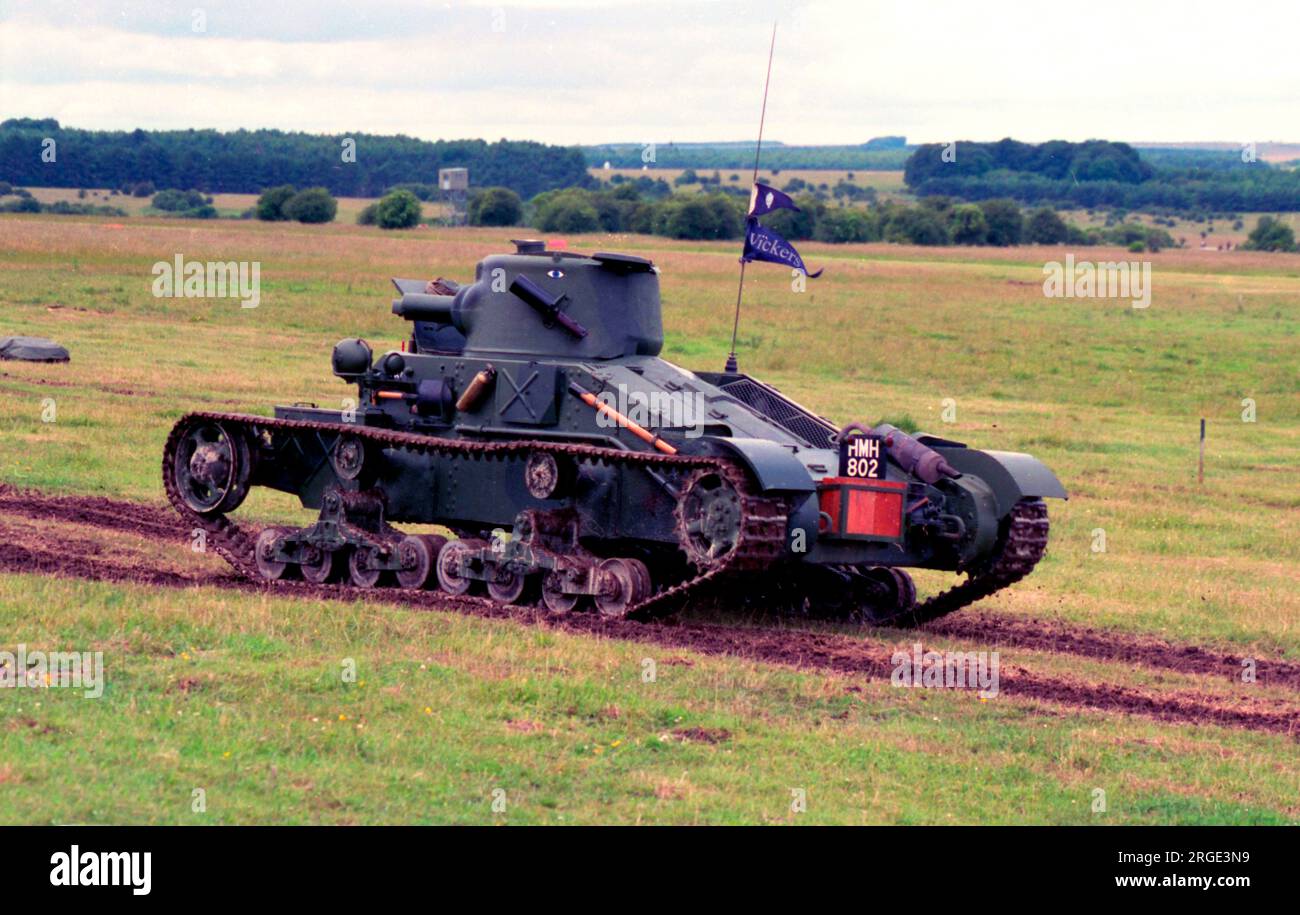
{"x":880,"y":154}
{"x":1099,"y":173}
{"x":247,"y":161}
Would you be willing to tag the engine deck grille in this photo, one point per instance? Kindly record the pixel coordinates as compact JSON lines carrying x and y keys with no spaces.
{"x":799,"y":422}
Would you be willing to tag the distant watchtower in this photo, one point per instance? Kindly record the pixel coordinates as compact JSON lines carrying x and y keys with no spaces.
{"x":454,"y":185}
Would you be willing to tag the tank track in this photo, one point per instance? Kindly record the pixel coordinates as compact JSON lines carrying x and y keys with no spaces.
{"x":760,"y":543}
{"x":1022,"y":545}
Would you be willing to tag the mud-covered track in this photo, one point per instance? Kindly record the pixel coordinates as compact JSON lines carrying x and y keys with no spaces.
{"x":789,"y":646}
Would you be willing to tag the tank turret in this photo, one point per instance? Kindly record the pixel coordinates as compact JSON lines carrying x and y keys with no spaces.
{"x":546,"y":303}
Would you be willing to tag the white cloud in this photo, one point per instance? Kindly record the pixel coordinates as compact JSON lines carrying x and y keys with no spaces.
{"x":565,"y":71}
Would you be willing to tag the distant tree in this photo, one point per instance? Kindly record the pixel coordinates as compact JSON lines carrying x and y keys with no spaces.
{"x":967,"y":224}
{"x":571,"y":216}
{"x":184,"y":203}
{"x":1006,"y":224}
{"x":367,"y":215}
{"x":143,"y":189}
{"x":1270,"y":234}
{"x":22,"y":205}
{"x":939,"y":203}
{"x":1045,"y":227}
{"x":687,"y":177}
{"x":270,"y":206}
{"x":847,"y":224}
{"x":495,"y":206}
{"x":917,"y":226}
{"x":714,"y":216}
{"x":398,"y":210}
{"x":47,"y":124}
{"x":313,"y":205}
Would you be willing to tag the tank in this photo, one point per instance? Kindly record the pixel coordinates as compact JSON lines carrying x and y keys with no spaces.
{"x":530,"y":416}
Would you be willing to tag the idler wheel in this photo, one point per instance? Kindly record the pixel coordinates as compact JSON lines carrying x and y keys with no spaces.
{"x":709,"y":518}
{"x":553,"y":595}
{"x":623,"y":586}
{"x":264,"y":554}
{"x":507,"y":585}
{"x":211,"y":468}
{"x":418,"y":554}
{"x":361,"y":568}
{"x":450,"y":560}
{"x":318,"y":565}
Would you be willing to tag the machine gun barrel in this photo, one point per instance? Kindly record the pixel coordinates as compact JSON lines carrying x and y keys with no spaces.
{"x":423,"y":306}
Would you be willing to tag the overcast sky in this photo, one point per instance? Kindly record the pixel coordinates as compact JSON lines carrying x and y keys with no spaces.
{"x":587,"y":72}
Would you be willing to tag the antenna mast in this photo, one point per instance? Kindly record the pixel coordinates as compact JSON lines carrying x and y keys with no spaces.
{"x":731,"y":367}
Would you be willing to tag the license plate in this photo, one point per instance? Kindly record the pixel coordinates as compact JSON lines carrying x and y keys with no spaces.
{"x":862,"y":456}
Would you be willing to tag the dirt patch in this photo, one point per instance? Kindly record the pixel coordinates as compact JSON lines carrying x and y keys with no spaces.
{"x":187,"y":685}
{"x":523,"y":726}
{"x":131,"y":517}
{"x":702,"y":735}
{"x":1048,"y":635}
{"x":57,"y":556}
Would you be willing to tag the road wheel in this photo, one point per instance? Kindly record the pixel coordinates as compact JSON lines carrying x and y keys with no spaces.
{"x":418,"y":554}
{"x":361,"y":568}
{"x":508,"y":585}
{"x":319,"y":566}
{"x":451,"y":560}
{"x":264,"y":554}
{"x":623,"y":586}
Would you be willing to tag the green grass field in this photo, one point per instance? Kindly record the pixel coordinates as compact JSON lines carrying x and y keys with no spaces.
{"x":240,"y":694}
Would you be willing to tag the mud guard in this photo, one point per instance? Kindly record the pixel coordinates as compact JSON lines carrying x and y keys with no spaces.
{"x":774,"y":467}
{"x":1013,"y":476}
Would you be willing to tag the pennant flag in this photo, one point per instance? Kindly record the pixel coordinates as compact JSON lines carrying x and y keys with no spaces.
{"x":764,"y":199}
{"x":762,"y":244}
